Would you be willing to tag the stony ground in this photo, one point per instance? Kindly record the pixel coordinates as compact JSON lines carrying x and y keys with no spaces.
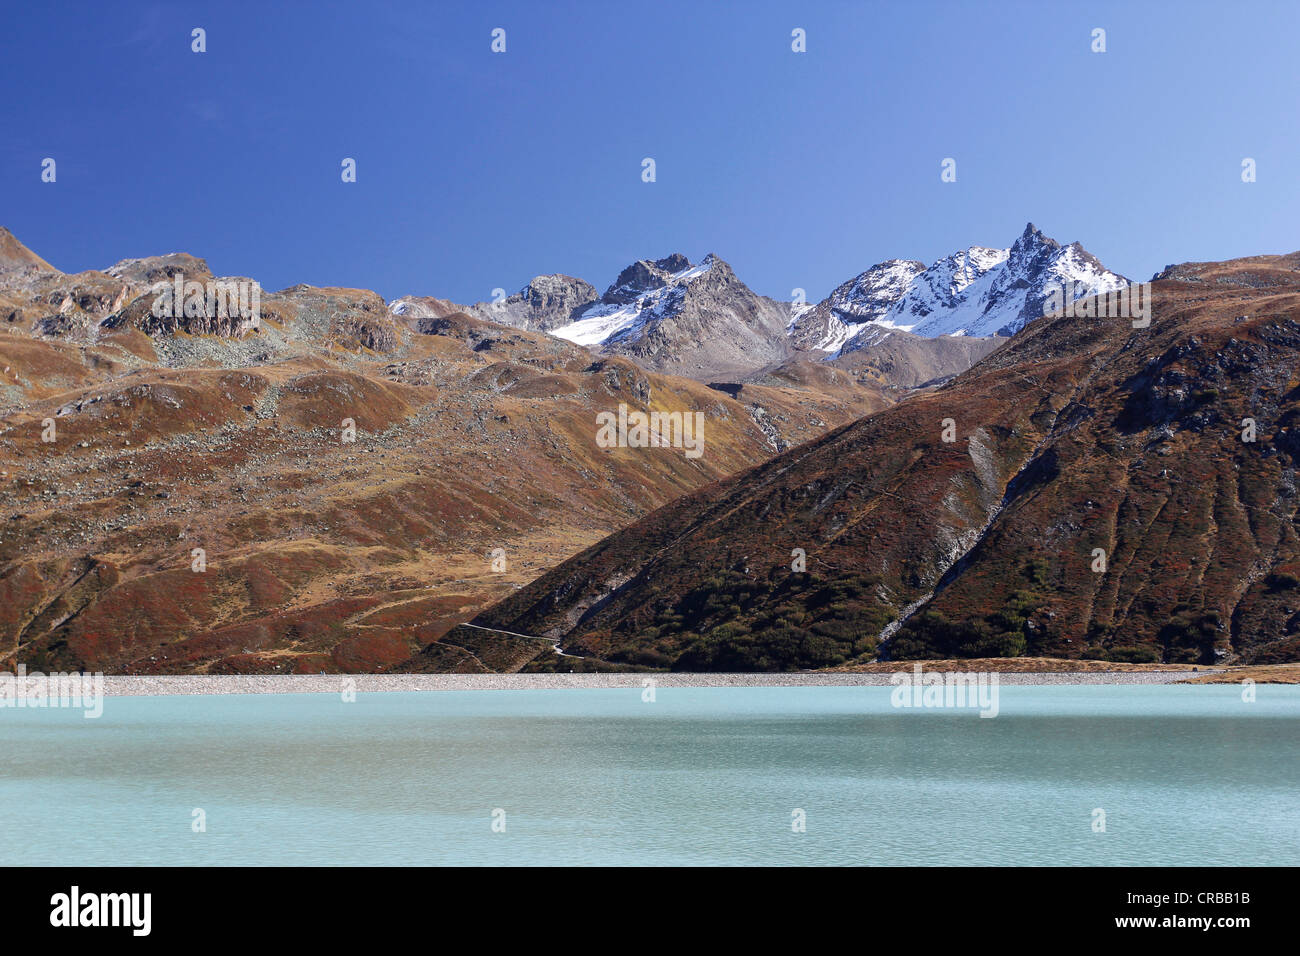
{"x":376,"y":683}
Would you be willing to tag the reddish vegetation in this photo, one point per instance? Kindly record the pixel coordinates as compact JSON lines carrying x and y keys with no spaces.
{"x":199,"y":508}
{"x":1080,"y":434}
{"x":182,"y":434}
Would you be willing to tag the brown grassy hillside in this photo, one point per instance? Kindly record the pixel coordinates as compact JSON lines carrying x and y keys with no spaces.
{"x":179,"y":434}
{"x":1079,"y":434}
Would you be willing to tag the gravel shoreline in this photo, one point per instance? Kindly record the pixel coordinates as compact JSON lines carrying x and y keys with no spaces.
{"x":378,"y":683}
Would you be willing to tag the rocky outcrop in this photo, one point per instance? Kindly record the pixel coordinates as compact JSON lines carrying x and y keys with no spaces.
{"x":699,"y":321}
{"x":544,"y":304}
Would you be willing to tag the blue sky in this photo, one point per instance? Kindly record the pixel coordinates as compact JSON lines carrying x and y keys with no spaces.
{"x":478,"y":170}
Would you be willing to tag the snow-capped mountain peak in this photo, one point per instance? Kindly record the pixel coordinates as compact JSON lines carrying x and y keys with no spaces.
{"x":864,"y":299}
{"x":644,"y":291}
{"x":976,"y":291}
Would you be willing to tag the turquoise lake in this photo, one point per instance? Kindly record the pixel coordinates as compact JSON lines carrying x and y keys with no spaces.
{"x":1185,"y":775}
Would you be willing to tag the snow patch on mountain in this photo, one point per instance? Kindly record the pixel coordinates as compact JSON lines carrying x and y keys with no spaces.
{"x":628,"y":306}
{"x":979,"y":291}
{"x":797,"y":311}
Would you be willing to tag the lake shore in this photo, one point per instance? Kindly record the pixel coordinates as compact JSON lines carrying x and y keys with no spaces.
{"x":130,"y":686}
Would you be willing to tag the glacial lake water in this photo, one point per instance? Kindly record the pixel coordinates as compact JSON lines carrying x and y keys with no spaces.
{"x":1185,"y":775}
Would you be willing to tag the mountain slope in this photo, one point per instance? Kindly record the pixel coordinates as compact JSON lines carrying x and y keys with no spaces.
{"x":863,"y":299}
{"x":14,"y":256}
{"x":893,"y":358}
{"x":695,"y":320}
{"x":996,"y":294}
{"x":1077,"y":435}
{"x":975,"y":292}
{"x":546,"y":303}
{"x":196,"y":431}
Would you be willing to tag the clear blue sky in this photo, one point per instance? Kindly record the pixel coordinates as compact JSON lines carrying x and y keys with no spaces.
{"x":478,"y":170}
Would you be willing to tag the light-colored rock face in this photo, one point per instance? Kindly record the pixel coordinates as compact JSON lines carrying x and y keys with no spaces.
{"x":546,"y":303}
{"x":160,"y":268}
{"x":552,"y":300}
{"x":423,"y":307}
{"x":700,"y":320}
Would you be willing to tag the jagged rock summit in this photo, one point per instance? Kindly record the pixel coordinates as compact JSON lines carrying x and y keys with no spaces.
{"x":978,"y":291}
{"x":546,"y":303}
{"x":696,"y":320}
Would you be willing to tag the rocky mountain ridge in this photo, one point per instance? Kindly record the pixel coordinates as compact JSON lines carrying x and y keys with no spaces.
{"x":1089,"y":490}
{"x":978,"y":291}
{"x":702,"y":321}
{"x":333,"y":487}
